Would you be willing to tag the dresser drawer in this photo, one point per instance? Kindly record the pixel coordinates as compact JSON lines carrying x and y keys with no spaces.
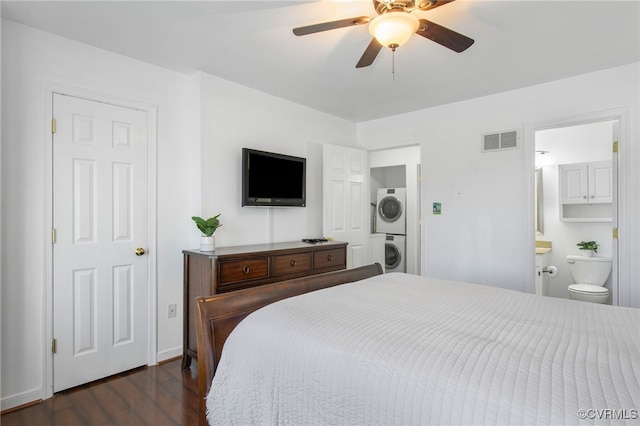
{"x":291,"y":263}
{"x":243,"y":270}
{"x":329,"y":258}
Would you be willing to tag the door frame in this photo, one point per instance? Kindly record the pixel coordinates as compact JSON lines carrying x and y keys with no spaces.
{"x":620,"y":292}
{"x":50,"y":89}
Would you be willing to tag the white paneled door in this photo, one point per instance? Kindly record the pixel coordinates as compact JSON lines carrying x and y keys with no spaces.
{"x":100,"y":289}
{"x":345,"y":200}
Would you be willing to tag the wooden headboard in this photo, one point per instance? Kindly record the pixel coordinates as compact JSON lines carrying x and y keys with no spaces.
{"x":217,"y":315}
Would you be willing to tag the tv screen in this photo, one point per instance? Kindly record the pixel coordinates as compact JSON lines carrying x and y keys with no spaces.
{"x":270,"y":179}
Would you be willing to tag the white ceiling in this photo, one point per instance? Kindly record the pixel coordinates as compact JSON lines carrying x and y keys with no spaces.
{"x":517,"y":44}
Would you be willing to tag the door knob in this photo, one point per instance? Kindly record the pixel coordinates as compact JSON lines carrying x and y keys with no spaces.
{"x":139,"y":251}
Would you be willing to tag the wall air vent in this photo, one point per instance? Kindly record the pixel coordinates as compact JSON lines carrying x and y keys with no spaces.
{"x":499,"y":141}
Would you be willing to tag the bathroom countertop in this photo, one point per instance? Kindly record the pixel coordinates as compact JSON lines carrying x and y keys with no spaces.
{"x":543,"y":247}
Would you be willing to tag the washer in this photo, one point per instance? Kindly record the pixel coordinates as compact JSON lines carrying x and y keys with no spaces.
{"x":390,"y":211}
{"x":394,"y":253}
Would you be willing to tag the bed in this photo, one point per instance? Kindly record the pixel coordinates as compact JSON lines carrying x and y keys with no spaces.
{"x":361,"y":347}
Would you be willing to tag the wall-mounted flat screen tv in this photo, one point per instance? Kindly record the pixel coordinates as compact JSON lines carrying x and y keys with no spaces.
{"x":270,"y":179}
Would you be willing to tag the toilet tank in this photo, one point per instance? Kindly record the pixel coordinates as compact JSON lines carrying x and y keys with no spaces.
{"x":589,"y":270}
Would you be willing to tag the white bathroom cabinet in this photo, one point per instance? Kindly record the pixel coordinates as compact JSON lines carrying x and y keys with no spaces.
{"x":586,"y":191}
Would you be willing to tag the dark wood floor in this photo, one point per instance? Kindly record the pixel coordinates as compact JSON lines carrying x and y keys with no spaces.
{"x":159,"y":395}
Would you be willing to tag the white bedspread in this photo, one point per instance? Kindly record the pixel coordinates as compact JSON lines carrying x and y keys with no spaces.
{"x":403,"y":349}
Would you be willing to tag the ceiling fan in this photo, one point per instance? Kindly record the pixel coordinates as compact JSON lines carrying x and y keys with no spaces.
{"x":394,"y":25}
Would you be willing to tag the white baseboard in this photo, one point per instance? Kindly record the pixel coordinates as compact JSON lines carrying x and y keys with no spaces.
{"x":169,"y":353}
{"x":20,"y":399}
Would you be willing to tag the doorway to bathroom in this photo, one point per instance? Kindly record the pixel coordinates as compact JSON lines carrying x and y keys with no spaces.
{"x":576,"y":196}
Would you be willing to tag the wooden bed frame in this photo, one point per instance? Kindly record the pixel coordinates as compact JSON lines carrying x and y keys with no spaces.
{"x":217,"y":315}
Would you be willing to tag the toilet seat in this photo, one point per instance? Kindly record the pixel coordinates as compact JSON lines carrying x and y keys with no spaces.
{"x":588,"y":289}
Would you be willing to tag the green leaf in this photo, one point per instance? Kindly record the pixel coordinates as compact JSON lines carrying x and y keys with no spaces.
{"x":588,"y":245}
{"x":208,"y":226}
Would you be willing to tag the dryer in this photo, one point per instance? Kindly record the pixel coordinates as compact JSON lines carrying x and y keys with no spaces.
{"x":394,"y":253}
{"x":390,"y":211}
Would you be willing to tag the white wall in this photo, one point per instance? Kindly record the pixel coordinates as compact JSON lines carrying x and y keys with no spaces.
{"x":234,"y":116}
{"x":29,"y":58}
{"x":567,"y":145}
{"x":482,"y":233}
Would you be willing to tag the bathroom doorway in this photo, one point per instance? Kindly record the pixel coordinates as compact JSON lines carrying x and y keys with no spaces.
{"x":561,"y":221}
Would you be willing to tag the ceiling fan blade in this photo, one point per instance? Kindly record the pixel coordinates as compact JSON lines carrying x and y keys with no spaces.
{"x":369,"y":54}
{"x":326,"y":26}
{"x":444,"y":36}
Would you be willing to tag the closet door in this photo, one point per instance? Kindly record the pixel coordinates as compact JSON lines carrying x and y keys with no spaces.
{"x":100,"y":268}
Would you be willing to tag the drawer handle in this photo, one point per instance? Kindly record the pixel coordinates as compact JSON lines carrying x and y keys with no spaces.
{"x":329,"y":258}
{"x":245,"y":269}
{"x":293,"y":262}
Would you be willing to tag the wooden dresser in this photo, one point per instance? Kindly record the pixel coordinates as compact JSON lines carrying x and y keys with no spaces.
{"x":234,"y":268}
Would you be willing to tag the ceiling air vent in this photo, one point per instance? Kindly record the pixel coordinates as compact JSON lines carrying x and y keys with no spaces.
{"x":499,"y":141}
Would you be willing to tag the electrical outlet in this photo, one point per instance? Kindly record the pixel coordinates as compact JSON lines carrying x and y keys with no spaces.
{"x":172,"y":310}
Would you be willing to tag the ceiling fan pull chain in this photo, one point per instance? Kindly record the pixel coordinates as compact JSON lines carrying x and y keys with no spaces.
{"x":393,"y":64}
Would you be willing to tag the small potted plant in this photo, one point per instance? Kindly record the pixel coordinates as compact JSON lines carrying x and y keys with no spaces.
{"x":588,"y":247}
{"x":207,"y":227}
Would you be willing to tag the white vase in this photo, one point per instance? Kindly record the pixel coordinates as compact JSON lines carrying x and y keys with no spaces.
{"x":208,"y":243}
{"x":587,"y":253}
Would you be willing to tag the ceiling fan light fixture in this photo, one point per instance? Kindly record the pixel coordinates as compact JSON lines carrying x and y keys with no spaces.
{"x":394,"y":28}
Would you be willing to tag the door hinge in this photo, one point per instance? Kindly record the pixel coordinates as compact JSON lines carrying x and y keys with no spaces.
{"x":53,"y":125}
{"x":615,"y":233}
{"x":53,"y":236}
{"x":54,"y":346}
{"x":615,"y":146}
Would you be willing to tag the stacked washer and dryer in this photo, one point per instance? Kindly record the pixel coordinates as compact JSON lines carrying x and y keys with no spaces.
{"x":390,"y":220}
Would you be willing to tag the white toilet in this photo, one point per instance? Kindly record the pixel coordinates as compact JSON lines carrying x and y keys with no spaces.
{"x":589,"y":274}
